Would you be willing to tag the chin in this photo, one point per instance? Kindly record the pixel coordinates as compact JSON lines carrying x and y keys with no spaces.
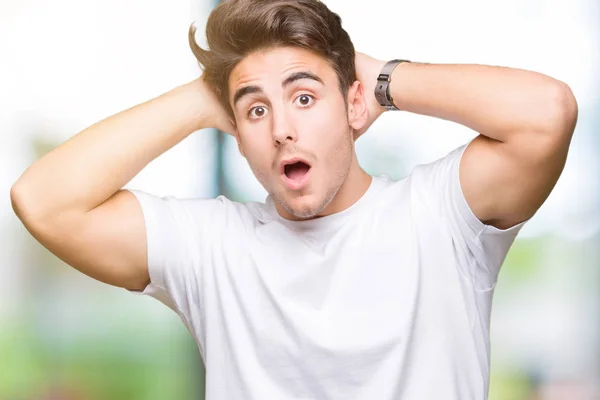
{"x":302,"y":208}
{"x":303,"y":213}
{"x":306,"y":207}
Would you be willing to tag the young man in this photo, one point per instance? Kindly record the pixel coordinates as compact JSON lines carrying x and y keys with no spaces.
{"x":341,"y":285}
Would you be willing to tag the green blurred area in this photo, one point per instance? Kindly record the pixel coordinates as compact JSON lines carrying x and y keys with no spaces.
{"x":510,"y":386}
{"x":139,"y":365}
{"x":129,"y":359}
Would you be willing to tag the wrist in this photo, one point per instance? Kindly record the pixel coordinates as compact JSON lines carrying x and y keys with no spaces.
{"x":194,"y":98}
{"x":204,"y":108}
{"x":383,"y":88}
{"x":399,"y":85}
{"x":378,"y":66}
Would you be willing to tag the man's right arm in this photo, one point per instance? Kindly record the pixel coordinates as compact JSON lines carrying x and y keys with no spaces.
{"x":71,"y":200}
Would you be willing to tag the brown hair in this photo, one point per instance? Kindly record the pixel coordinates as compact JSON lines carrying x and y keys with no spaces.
{"x":236,"y":28}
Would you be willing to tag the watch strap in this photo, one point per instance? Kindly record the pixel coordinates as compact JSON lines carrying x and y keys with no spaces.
{"x":382,"y":89}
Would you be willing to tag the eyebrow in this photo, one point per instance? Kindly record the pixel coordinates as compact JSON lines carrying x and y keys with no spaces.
{"x":246,"y":90}
{"x":300,"y":75}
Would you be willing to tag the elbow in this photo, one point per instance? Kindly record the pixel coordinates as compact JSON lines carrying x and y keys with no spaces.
{"x":23,"y":204}
{"x":562,"y":112}
{"x":16,"y":199}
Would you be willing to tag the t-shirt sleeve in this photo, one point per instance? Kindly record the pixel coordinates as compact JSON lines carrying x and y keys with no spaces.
{"x":176,"y":237}
{"x":483,"y":247}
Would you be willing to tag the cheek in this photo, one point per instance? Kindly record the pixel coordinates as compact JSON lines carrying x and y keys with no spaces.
{"x":326,"y":126}
{"x":259,"y":161}
{"x":258,"y":154}
{"x":254,"y":141}
{"x":333,"y":129}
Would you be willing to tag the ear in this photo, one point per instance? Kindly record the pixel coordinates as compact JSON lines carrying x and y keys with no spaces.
{"x":357,"y":106}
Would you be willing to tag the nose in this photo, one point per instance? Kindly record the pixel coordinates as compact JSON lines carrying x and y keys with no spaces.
{"x":283,"y":128}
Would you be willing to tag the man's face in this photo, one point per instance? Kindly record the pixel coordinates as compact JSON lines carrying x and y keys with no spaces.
{"x":293,"y":127}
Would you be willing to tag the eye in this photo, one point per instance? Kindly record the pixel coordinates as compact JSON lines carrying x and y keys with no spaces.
{"x":305,"y":100}
{"x":257,"y":112}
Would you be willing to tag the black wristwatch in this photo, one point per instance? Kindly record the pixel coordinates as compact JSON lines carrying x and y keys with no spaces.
{"x":382,"y":89}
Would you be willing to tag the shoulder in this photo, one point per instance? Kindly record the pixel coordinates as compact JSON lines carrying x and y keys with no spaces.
{"x":225,"y":211}
{"x":214,"y":212}
{"x":389,"y":194}
{"x":439,"y":170}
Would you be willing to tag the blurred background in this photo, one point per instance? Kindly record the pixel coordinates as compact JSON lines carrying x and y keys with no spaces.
{"x":66,"y":64}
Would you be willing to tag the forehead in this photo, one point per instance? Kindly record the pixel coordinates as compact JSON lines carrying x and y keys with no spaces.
{"x":274,"y":64}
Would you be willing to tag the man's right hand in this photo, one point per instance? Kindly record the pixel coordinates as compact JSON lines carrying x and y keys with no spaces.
{"x":215,"y":115}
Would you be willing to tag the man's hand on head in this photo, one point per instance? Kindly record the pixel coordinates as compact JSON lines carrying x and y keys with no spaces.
{"x":215,"y":115}
{"x":367,"y":71}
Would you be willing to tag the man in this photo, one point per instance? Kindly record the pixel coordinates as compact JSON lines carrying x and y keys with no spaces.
{"x":341,"y":285}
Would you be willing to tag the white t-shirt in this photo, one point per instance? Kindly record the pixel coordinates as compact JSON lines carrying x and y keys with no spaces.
{"x":389,"y":299}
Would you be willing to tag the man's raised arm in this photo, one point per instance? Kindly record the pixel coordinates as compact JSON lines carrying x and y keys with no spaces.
{"x":525,"y":121}
{"x":71,"y":200}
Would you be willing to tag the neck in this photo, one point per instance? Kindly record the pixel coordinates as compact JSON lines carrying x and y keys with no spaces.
{"x":354,"y":187}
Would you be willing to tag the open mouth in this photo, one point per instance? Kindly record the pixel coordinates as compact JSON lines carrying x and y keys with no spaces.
{"x":296,"y":171}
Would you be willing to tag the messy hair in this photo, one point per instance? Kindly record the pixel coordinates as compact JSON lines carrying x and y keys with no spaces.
{"x":236,"y":28}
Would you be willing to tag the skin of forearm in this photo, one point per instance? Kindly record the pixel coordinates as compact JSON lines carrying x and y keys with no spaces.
{"x":498,"y":102}
{"x":87,"y":169}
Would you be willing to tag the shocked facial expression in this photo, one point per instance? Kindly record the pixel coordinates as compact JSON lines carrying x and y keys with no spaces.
{"x":293,"y":127}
